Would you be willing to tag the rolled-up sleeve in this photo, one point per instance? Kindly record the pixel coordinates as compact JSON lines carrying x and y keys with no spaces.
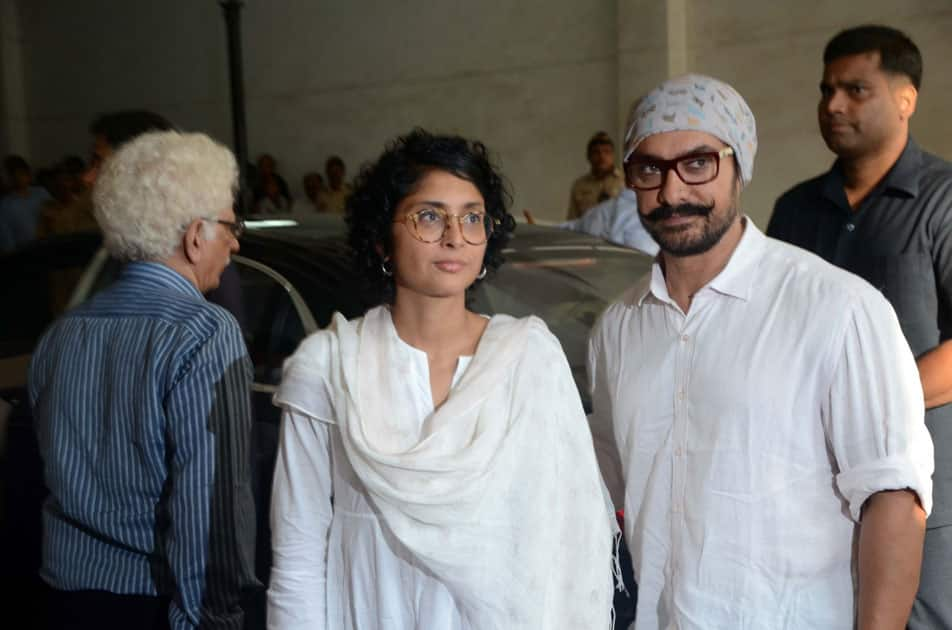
{"x":875,"y":415}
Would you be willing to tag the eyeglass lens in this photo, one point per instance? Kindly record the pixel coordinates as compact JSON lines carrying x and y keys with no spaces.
{"x":698,"y":168}
{"x":431,"y":225}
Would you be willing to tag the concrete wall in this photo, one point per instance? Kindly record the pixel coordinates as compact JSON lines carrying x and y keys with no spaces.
{"x":772,"y":53}
{"x":81,"y":59}
{"x":531,"y":78}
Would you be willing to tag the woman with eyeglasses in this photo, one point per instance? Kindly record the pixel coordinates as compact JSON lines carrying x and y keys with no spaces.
{"x":435,"y":468}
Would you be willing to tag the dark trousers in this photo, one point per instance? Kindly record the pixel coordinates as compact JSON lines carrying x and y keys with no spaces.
{"x":101,"y":610}
{"x":932,"y":609}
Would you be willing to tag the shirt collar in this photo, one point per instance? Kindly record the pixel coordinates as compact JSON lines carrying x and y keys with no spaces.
{"x":735,"y":279}
{"x":903,"y":177}
{"x":161,"y":275}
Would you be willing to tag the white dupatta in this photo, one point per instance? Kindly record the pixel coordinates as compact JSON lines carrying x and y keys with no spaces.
{"x":499,"y":495}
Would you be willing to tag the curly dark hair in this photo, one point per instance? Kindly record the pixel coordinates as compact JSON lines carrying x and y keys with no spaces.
{"x":382,"y":185}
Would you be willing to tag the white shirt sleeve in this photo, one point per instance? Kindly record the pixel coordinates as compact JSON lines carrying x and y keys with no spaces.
{"x":301,"y":513}
{"x":875,"y":415}
{"x":602,"y":424}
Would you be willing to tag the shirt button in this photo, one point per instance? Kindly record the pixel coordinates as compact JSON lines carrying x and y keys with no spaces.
{"x":684,"y":338}
{"x":677,"y":452}
{"x":680,"y":394}
{"x":850,"y":227}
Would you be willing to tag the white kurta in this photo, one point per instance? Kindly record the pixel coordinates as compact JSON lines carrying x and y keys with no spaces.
{"x":371,"y":582}
{"x":751,"y":430}
{"x":342,"y":565}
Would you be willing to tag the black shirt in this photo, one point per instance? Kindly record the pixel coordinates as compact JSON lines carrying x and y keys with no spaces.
{"x":900,"y":240}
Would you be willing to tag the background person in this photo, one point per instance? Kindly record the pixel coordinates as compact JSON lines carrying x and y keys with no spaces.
{"x":21,"y":207}
{"x":313,"y":184}
{"x":333,"y":198}
{"x":268,"y":184}
{"x":884,"y":212}
{"x":603,"y":181}
{"x":141,"y":399}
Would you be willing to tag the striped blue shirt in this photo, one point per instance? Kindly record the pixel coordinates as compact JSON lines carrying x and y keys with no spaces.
{"x":141,"y":398}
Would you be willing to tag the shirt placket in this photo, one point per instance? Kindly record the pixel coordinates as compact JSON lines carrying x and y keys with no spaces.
{"x":846,"y":236}
{"x":684,"y":349}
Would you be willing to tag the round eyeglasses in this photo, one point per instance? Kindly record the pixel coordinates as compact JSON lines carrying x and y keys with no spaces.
{"x":648,"y":173}
{"x":430,"y":224}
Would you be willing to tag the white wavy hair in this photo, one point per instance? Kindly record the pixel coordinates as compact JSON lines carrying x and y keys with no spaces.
{"x":155,"y":185}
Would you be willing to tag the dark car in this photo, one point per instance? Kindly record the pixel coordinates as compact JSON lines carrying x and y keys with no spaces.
{"x":293,"y":278}
{"x":289,"y":279}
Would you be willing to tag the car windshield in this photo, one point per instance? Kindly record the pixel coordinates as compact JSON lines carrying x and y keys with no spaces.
{"x":568,"y":285}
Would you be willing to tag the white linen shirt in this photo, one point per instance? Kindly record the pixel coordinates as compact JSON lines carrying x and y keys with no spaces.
{"x":751,"y":431}
{"x":336,"y":567}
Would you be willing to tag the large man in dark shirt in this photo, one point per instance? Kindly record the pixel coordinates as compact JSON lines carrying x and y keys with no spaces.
{"x":884,"y":212}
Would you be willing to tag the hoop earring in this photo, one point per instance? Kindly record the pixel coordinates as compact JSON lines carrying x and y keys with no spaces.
{"x":482,"y":274}
{"x":387,"y":271}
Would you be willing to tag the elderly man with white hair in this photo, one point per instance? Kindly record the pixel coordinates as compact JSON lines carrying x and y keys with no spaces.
{"x":141,"y":398}
{"x":757,"y":411}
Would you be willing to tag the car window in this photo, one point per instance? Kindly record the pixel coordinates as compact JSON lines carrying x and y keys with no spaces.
{"x":568,"y":306}
{"x":568,"y":290}
{"x":270,"y":322}
{"x":108,"y":274}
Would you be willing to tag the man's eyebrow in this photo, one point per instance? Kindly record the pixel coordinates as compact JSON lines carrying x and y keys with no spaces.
{"x":701,"y":148}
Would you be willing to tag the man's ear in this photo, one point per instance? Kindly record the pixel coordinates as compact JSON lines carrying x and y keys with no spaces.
{"x":193,"y":241}
{"x":905,"y":95}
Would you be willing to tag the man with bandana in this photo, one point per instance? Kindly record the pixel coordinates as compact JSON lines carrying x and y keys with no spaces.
{"x":757,"y":411}
{"x":884,"y":212}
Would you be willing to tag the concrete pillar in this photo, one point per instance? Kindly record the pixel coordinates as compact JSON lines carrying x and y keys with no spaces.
{"x":676,"y":14}
{"x":14,"y":136}
{"x":652,"y":46}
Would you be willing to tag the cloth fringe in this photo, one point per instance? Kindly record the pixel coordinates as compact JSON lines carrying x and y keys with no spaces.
{"x":616,"y":576}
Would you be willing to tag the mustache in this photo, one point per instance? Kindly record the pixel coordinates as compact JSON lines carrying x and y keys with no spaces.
{"x":666,"y":211}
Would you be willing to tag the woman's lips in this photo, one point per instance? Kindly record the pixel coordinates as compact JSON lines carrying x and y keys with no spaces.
{"x":449,"y":266}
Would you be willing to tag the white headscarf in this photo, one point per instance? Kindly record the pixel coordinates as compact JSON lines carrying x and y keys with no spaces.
{"x":695,"y":102}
